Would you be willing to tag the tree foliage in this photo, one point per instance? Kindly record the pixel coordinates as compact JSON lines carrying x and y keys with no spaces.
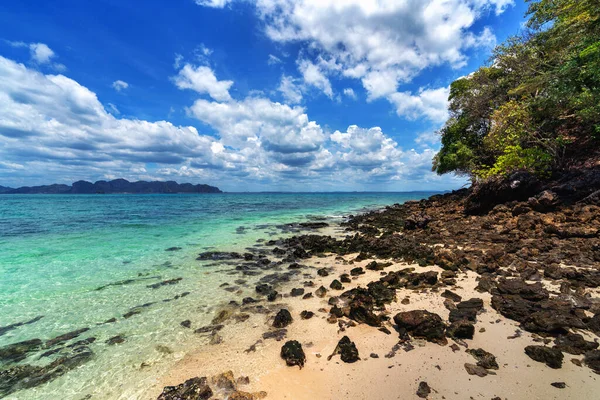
{"x":536,"y":103}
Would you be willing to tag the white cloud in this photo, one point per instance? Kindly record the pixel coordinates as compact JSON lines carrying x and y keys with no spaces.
{"x":273,"y":60}
{"x":349,"y":92}
{"x":203,"y":80}
{"x":113,"y":109}
{"x":54,"y":129}
{"x":119,"y":85}
{"x":313,"y":76}
{"x":41,"y":53}
{"x":213,"y":3}
{"x":290,"y":90}
{"x":429,"y":103}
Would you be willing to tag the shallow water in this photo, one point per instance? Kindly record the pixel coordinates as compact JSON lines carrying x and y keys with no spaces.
{"x":57,"y":251}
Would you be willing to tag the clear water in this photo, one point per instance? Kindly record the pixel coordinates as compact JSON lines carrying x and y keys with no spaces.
{"x":55,"y":251}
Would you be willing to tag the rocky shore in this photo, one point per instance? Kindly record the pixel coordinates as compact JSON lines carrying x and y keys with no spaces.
{"x":484,"y":293}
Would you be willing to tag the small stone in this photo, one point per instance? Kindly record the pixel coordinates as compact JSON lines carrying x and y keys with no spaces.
{"x":473,"y":369}
{"x":321,"y":292}
{"x":374,"y":355}
{"x":559,"y":385}
{"x":282,"y":319}
{"x":115,"y":340}
{"x":186,"y":324}
{"x":297,"y":292}
{"x":307,"y":314}
{"x":424,"y":390}
{"x":323,"y":272}
{"x":347,"y":350}
{"x":336,"y":285}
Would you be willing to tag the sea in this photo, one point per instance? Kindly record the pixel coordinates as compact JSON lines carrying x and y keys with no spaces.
{"x":74,"y":262}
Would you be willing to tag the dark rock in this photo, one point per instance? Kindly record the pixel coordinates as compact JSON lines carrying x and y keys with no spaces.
{"x":297,"y":292}
{"x":321,"y":292}
{"x":421,"y":324}
{"x":115,"y":340}
{"x":186,"y":324}
{"x":308,"y":295}
{"x":559,"y":385}
{"x":173,"y":249}
{"x":65,"y":337}
{"x":573,"y":343}
{"x":484,"y":359}
{"x":272,"y":296}
{"x":335,"y":310}
{"x":264,"y":289}
{"x":19,"y":351}
{"x":192,"y":389}
{"x":592,"y":360}
{"x":323,"y":272}
{"x":347,"y":350}
{"x":424,"y":390}
{"x":357,"y":271}
{"x":5,"y":329}
{"x":209,"y":329}
{"x":473,"y":369}
{"x":550,"y":356}
{"x":461,"y":330}
{"x":345,"y":278}
{"x":278,"y":334}
{"x":451,"y":295}
{"x":293,"y":354}
{"x":282,"y":319}
{"x":307,"y":314}
{"x":219,"y":256}
{"x":336,"y":285}
{"x":466,"y":310}
{"x":225,"y":381}
{"x":375,"y":266}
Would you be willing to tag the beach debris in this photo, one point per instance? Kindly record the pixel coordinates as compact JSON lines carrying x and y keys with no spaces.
{"x":424,"y":390}
{"x":282,"y":319}
{"x":195,"y":388}
{"x":293,"y":354}
{"x":550,"y":356}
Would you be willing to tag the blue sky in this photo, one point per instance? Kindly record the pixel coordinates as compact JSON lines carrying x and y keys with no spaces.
{"x":313,"y":95}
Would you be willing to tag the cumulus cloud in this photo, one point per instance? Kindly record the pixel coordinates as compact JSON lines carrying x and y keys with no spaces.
{"x":291,"y":92}
{"x":313,"y":76}
{"x":384,"y":44}
{"x":203,"y":80}
{"x":41,"y":53}
{"x":119,"y":85}
{"x":349,"y":92}
{"x":53,"y":128}
{"x":213,"y":3}
{"x":428,"y":103}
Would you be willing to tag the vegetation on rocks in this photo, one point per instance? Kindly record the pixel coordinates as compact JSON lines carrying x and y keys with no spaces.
{"x":536,"y":106}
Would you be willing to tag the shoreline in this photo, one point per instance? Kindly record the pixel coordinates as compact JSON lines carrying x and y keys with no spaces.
{"x":390,"y":368}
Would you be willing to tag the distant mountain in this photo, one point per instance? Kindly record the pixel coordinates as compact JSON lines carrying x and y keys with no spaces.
{"x":113,"y":187}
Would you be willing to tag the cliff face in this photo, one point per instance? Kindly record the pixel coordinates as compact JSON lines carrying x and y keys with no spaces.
{"x":115,"y":186}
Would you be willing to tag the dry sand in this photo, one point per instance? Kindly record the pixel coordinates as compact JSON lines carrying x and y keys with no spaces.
{"x":396,"y":377}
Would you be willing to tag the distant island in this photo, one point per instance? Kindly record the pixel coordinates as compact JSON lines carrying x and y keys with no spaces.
{"x":116,"y":186}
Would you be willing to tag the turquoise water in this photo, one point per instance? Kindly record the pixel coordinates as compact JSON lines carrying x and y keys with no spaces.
{"x":56,"y":251}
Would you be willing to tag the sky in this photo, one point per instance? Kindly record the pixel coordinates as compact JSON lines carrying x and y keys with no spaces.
{"x":246,"y":95}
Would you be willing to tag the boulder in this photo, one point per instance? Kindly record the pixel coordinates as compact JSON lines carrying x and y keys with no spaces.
{"x":347,"y":351}
{"x":293,"y":354}
{"x":282,"y":319}
{"x":421,"y":324}
{"x":547,"y":355}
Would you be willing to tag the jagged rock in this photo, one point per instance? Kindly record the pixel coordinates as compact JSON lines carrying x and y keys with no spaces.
{"x":192,"y":389}
{"x":421,"y":324}
{"x":559,"y":385}
{"x":347,"y":350}
{"x":345,"y":278}
{"x":550,"y":356}
{"x":297,"y":292}
{"x":357,"y":271}
{"x":573,"y":343}
{"x":592,"y":360}
{"x":466,"y":310}
{"x":451,"y":295}
{"x":186,"y":324}
{"x":484,"y":359}
{"x":323,"y":272}
{"x":282,"y":319}
{"x":293,"y":354}
{"x":473,"y":369}
{"x":461,"y":330}
{"x":65,"y":337}
{"x":224,"y":380}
